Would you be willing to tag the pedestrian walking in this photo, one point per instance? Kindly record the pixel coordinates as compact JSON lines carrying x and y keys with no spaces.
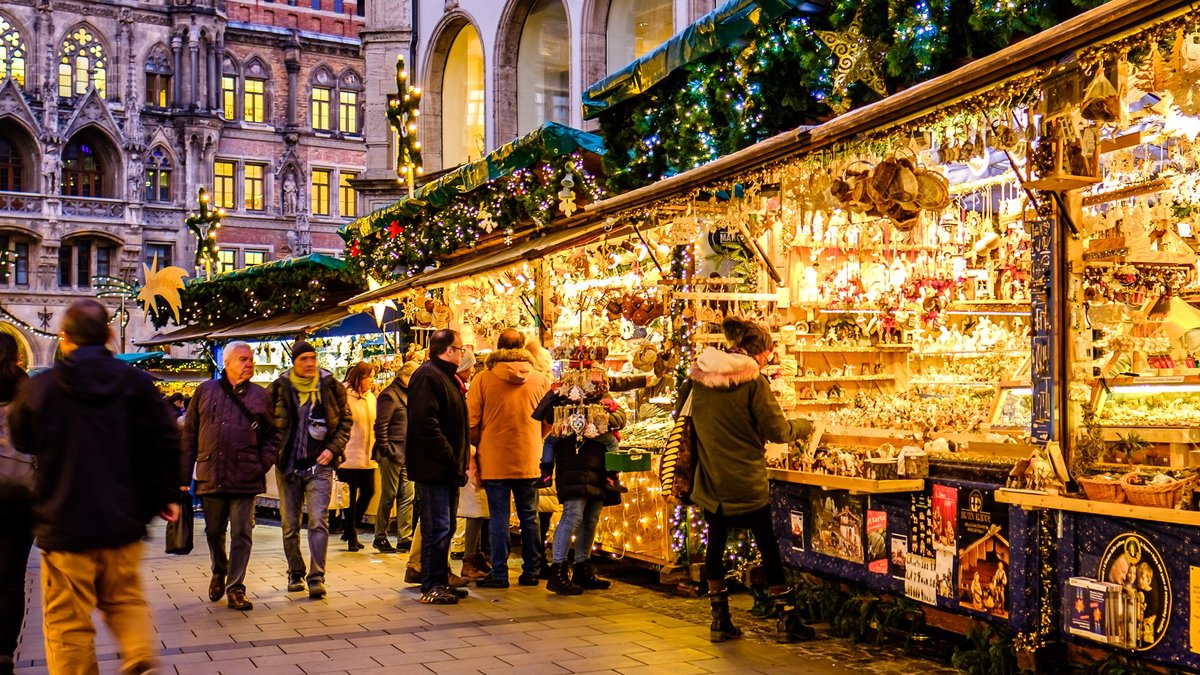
{"x":734,"y":413}
{"x":314,"y":425}
{"x":108,"y":461}
{"x":436,"y":450}
{"x":16,"y":517}
{"x":500,"y":405}
{"x":396,"y":491}
{"x":358,"y":470}
{"x":230,"y":441}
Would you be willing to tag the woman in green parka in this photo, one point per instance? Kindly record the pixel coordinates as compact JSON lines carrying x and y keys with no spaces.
{"x":735,"y":414}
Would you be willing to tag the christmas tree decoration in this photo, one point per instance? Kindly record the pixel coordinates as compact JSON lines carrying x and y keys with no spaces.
{"x":855,"y":63}
{"x":566,"y":196}
{"x":402,"y":115}
{"x":204,"y":224}
{"x":165,"y":283}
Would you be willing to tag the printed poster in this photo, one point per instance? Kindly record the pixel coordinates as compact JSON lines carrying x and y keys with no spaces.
{"x":899,"y":553}
{"x":1133,"y":562}
{"x":920,"y":579}
{"x":945,"y":515}
{"x":877,"y":542}
{"x":920,"y":526}
{"x":797,"y":524}
{"x":984,"y":558}
{"x":838,"y":525}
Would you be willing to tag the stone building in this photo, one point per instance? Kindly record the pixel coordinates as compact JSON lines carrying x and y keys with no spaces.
{"x":493,"y":70}
{"x":114,"y":113}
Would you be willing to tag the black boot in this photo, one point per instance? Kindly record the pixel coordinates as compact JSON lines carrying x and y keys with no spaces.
{"x":722,"y":627}
{"x":560,"y":580}
{"x":790,"y":627}
{"x":585,"y":577}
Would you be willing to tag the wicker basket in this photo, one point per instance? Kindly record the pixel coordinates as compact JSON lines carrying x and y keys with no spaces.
{"x":1103,"y":490}
{"x":1162,"y":496}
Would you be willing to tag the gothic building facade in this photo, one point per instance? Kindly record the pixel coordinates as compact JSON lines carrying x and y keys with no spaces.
{"x":113,"y":114}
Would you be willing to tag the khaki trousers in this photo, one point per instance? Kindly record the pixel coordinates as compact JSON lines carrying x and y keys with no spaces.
{"x":75,"y":583}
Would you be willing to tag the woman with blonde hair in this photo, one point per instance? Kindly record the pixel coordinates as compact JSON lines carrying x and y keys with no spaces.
{"x":358,"y":471}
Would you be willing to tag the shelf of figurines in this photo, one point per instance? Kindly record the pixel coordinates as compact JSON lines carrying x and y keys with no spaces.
{"x":1035,"y":500}
{"x":853,"y":485}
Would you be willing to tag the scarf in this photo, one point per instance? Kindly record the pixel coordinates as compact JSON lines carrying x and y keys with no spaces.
{"x":306,"y":387}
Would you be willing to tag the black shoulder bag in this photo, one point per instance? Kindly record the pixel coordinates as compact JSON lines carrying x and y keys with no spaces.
{"x":228,"y":389}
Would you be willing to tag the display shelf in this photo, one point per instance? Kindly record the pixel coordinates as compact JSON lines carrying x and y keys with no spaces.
{"x":1037,"y":500}
{"x":952,"y":383}
{"x":881,"y":349}
{"x":817,"y":401}
{"x":855,"y":485}
{"x":1151,"y":380}
{"x":729,"y":297}
{"x":853,"y":378}
{"x":1178,"y":434}
{"x":971,"y":354}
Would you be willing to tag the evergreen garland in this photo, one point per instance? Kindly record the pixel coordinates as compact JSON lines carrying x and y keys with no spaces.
{"x":780,"y":77}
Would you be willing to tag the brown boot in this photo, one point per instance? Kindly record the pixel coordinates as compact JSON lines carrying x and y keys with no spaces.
{"x":470,"y":569}
{"x":482,"y":562}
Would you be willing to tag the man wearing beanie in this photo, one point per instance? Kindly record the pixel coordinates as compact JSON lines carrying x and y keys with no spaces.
{"x":314,"y":424}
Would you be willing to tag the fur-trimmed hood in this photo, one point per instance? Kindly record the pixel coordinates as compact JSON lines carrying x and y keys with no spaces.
{"x":511,"y":365}
{"x":721,"y":370}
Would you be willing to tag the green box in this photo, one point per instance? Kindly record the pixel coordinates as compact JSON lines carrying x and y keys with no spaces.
{"x":625,"y":460}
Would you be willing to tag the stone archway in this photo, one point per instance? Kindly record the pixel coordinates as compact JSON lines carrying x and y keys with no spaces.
{"x":444,"y":37}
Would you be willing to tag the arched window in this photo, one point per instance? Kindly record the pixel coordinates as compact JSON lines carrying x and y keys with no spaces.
{"x":83,"y":171}
{"x":349,"y":94}
{"x":254,"y":92}
{"x":12,"y":53}
{"x":463,"y":100}
{"x":635,"y":28}
{"x":80,"y":258}
{"x":10,"y":166}
{"x":158,"y":176}
{"x":543,"y":67}
{"x":82,"y":62}
{"x":158,"y":77}
{"x":320,"y":111}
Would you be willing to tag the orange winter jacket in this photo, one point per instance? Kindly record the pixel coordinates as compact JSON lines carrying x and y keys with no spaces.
{"x":500,"y":403}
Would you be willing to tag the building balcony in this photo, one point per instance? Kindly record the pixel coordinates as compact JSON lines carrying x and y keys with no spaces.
{"x":94,"y":208}
{"x":21,"y":202}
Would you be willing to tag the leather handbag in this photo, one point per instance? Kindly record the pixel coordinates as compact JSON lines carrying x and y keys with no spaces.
{"x":18,"y":471}
{"x":180,"y":537}
{"x":677,"y":470}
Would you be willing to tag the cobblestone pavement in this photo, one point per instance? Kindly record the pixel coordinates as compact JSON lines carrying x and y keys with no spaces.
{"x":371,"y":622}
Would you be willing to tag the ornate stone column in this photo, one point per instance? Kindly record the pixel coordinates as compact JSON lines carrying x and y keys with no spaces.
{"x":194,"y":71}
{"x":177,"y":71}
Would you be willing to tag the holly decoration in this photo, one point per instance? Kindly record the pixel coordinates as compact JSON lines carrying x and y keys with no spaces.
{"x":204,"y":224}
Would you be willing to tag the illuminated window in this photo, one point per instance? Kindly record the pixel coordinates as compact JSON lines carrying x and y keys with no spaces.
{"x":348,"y":112}
{"x":252,"y":186}
{"x":83,"y":171}
{"x":462,"y":100}
{"x":12,"y":53}
{"x":229,"y":96}
{"x":636,"y":28}
{"x":254,"y":101}
{"x":16,"y":268}
{"x":543,"y":67}
{"x":320,"y":191}
{"x":320,"y":108}
{"x":346,"y":195}
{"x":158,"y":77}
{"x":158,"y":176}
{"x":82,"y":63}
{"x":227,"y":259}
{"x":223,"y":185}
{"x":253,"y":258}
{"x":10,"y":166}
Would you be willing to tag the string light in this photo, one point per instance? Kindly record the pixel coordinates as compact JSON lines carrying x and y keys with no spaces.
{"x":204,"y":224}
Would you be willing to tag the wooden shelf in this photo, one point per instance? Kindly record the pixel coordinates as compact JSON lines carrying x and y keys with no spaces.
{"x":730,"y":297}
{"x":855,"y":485}
{"x":953,"y":383}
{"x":1127,"y":380}
{"x":817,"y":401}
{"x":1173,"y":434}
{"x":882,"y":349}
{"x":1036,"y":500}
{"x":971,"y":354}
{"x":855,"y":378}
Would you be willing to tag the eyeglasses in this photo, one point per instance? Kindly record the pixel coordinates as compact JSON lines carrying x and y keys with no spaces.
{"x":457,"y":347}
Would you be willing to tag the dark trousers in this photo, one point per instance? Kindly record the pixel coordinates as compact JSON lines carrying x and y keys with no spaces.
{"x":524,"y":495}
{"x":439,"y":511}
{"x":362,"y":488}
{"x":759,"y":523}
{"x":235,"y":512}
{"x":16,"y":538}
{"x":395,"y":490}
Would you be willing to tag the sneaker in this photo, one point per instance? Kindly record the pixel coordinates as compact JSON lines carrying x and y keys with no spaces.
{"x":492,"y":582}
{"x":383,"y":546}
{"x":439,"y":595}
{"x":404,"y":546}
{"x":526,"y":579}
{"x":295,"y":583}
{"x":316,"y":589}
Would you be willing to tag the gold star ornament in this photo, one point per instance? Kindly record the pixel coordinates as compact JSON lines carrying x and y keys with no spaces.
{"x":162,"y":283}
{"x":854,"y":54}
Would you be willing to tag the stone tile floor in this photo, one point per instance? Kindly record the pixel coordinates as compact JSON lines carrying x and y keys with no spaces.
{"x":371,"y":622}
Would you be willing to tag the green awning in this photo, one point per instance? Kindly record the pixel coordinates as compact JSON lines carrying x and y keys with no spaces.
{"x":134,"y":358}
{"x":314,"y":259}
{"x":551,"y":138}
{"x":718,"y":29}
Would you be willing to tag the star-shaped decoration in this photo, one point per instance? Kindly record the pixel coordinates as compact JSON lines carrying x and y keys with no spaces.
{"x":855,"y":63}
{"x":485,"y":221}
{"x":566,"y":196}
{"x":395,"y":229}
{"x":166,"y":284}
{"x":355,"y":250}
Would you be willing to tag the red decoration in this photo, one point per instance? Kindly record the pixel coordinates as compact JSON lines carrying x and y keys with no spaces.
{"x":395,"y":229}
{"x":355,"y":251}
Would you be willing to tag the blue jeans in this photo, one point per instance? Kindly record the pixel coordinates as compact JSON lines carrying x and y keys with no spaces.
{"x":439,"y":509}
{"x":579,"y":517}
{"x":311,"y":489}
{"x":525,"y":495}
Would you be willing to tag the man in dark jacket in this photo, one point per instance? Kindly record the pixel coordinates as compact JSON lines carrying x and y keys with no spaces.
{"x":314,"y":424}
{"x":108,"y":461}
{"x":395,"y":489}
{"x":229,"y":438}
{"x":437,"y":453}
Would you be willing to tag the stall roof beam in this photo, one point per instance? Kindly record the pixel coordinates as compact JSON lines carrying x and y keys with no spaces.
{"x":1112,"y":20}
{"x":720,"y":28}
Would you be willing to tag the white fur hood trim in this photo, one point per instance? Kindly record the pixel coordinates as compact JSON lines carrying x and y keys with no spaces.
{"x":720,"y":370}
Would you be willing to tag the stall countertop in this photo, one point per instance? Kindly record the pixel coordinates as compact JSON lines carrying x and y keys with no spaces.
{"x":1039,"y":500}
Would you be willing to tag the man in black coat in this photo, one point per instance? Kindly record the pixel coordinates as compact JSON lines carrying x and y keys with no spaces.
{"x":108,"y":461}
{"x":437,"y":454}
{"x":230,"y":439}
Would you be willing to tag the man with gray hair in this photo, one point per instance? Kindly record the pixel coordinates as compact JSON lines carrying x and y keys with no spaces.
{"x":229,"y":436}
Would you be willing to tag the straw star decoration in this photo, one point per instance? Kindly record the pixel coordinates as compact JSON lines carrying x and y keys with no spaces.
{"x":854,"y":63}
